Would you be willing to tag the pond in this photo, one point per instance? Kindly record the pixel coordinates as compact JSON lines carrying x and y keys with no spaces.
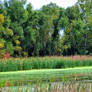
{"x":58,"y":86}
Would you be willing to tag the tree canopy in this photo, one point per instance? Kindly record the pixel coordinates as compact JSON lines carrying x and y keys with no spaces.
{"x":28,"y":32}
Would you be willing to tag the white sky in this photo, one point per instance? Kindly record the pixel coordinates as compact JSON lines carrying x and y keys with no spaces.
{"x":37,"y":4}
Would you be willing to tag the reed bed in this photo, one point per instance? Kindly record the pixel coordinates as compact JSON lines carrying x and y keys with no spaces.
{"x":16,"y":64}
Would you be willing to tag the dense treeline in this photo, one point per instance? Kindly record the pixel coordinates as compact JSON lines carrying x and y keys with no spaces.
{"x":28,"y":32}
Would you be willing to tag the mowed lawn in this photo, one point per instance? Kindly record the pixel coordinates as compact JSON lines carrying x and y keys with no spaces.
{"x":44,"y":74}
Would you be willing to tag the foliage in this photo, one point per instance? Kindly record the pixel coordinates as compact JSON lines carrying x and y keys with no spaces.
{"x":1,"y":19}
{"x":37,"y":32}
{"x":6,"y":43}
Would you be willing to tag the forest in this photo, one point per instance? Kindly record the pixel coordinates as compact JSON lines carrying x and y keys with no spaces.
{"x":49,"y":31}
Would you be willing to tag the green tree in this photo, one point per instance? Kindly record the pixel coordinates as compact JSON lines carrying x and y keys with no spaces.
{"x":85,"y":7}
{"x":31,"y":32}
{"x":6,"y":43}
{"x":18,"y":16}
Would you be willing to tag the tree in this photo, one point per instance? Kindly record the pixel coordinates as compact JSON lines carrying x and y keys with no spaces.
{"x":85,"y":10}
{"x":18,"y":16}
{"x":73,"y":27}
{"x":6,"y":44}
{"x":31,"y":32}
{"x":49,"y":28}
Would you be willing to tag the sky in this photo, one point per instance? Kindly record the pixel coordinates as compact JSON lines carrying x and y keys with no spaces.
{"x":37,"y":4}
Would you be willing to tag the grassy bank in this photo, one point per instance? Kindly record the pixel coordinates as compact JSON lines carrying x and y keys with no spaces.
{"x":44,"y":74}
{"x":41,"y":63}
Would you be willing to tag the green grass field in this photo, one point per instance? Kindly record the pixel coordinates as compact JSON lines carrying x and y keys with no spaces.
{"x":44,"y":74}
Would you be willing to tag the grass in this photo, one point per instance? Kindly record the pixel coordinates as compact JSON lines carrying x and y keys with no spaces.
{"x":14,"y":64}
{"x":44,"y":74}
{"x":37,"y":69}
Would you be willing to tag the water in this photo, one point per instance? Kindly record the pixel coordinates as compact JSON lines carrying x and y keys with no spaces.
{"x":69,"y":86}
